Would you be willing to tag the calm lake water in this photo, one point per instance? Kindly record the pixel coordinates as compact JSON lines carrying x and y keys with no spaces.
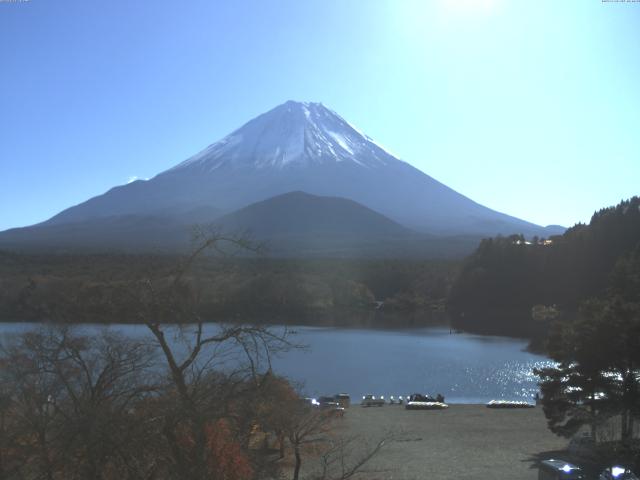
{"x":465,"y":368}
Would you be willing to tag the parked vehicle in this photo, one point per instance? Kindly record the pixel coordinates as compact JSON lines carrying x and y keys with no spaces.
{"x":372,"y":401}
{"x":311,"y":402}
{"x":329,"y":405}
{"x":559,"y":470}
{"x":617,"y":472}
{"x":327,"y":402}
{"x":343,"y":399}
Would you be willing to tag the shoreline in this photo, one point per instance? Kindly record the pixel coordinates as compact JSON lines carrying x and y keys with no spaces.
{"x":312,"y":322}
{"x":465,"y":441}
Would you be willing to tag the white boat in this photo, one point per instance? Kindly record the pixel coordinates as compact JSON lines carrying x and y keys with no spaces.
{"x":509,"y":404}
{"x":418,"y":401}
{"x":426,"y":406}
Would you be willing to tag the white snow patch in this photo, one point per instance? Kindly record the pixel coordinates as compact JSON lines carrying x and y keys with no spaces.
{"x":212,"y":152}
{"x":341,"y":140}
{"x":371,"y":140}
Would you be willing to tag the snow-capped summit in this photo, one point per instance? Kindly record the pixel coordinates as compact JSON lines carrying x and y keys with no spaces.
{"x":293,"y":134}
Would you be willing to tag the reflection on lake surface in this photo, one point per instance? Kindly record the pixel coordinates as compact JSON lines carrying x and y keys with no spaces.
{"x":465,"y":368}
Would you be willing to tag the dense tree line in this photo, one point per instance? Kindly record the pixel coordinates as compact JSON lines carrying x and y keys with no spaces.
{"x":258,"y":288}
{"x":500,"y":284}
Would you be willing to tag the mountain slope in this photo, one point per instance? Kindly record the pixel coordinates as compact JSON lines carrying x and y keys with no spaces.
{"x":302,"y":147}
{"x":122,"y":233}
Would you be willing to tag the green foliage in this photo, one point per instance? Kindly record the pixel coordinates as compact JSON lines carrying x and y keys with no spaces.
{"x":94,"y":288}
{"x":598,"y":371}
{"x":625,"y":279}
{"x":598,"y":355}
{"x":544,"y":313}
{"x":506,"y":277}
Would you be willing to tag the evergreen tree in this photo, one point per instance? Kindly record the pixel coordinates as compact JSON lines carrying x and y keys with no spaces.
{"x":505,"y":277}
{"x":598,"y":355}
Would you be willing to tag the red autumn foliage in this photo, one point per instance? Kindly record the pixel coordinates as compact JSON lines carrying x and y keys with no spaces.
{"x":227,"y":460}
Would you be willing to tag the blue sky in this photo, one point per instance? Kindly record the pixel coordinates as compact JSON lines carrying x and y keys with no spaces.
{"x":528,"y":107}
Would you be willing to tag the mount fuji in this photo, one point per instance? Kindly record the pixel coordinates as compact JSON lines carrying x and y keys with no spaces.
{"x":295,"y":147}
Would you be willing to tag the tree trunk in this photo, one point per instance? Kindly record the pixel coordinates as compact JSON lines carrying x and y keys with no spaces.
{"x":627,"y":404}
{"x":624,"y":424}
{"x":180,"y":462}
{"x":200,"y":444}
{"x":281,"y":444}
{"x":296,"y":471}
{"x":45,"y":454}
{"x":593,"y":423}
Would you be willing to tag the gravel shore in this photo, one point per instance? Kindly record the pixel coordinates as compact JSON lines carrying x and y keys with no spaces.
{"x":462,"y":442}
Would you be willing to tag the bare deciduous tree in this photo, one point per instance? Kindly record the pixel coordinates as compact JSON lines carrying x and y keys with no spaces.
{"x":70,"y":404}
{"x":215,"y":371}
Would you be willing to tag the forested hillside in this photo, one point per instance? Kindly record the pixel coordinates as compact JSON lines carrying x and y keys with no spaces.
{"x":501,"y":282}
{"x":92,"y":288}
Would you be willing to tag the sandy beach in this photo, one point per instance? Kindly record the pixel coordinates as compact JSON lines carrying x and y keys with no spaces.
{"x":463,"y":442}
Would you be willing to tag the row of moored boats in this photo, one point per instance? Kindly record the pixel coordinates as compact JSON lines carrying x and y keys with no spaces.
{"x":418,"y":401}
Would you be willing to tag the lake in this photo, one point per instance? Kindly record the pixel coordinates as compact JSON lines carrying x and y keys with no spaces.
{"x":465,"y":368}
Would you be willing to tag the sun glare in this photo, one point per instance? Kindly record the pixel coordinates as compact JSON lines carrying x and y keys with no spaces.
{"x":469,"y":6}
